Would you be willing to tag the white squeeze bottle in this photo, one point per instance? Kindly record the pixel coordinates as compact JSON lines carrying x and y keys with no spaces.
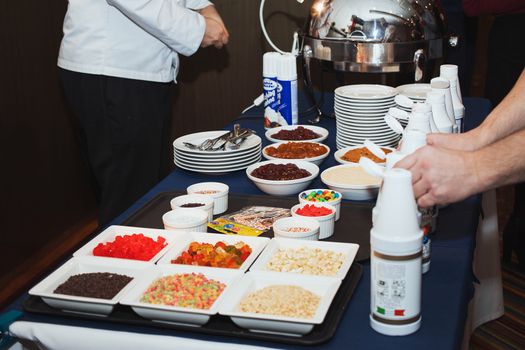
{"x":395,"y":239}
{"x":271,"y":96}
{"x":287,"y":82}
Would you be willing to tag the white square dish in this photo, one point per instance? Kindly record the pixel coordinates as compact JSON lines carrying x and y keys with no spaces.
{"x":324,"y":287}
{"x":109,"y":234}
{"x":85,"y":264}
{"x":176,"y":314}
{"x":349,"y":250}
{"x":256,"y":243}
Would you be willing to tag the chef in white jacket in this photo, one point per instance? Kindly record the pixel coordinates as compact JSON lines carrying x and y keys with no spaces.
{"x":117,"y":61}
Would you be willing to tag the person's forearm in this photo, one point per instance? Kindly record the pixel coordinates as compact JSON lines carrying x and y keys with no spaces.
{"x":501,"y":163}
{"x":507,"y":118}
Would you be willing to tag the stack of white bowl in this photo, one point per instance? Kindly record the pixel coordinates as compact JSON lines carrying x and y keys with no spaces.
{"x":360,"y":110}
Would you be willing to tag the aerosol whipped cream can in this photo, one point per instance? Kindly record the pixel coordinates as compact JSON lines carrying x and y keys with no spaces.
{"x":287,"y":82}
{"x":272,"y":95}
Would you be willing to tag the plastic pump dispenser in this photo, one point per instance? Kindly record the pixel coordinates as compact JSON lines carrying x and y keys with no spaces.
{"x":395,"y":238}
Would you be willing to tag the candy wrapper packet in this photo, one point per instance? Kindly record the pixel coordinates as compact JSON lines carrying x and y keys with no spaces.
{"x":249,"y":221}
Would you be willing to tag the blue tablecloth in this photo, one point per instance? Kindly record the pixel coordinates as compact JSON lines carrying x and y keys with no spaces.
{"x":447,"y":288}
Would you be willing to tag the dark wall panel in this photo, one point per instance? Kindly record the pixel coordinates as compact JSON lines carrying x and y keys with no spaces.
{"x":45,"y":184}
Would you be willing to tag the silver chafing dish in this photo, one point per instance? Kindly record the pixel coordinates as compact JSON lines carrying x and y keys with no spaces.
{"x":375,"y":36}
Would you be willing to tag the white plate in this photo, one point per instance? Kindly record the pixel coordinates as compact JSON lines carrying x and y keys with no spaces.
{"x":229,"y":160}
{"x":352,"y":106}
{"x":361,"y":122}
{"x":372,"y":133}
{"x":415,"y":91}
{"x":215,"y":166}
{"x":317,"y":129}
{"x":210,"y":157}
{"x":109,"y":234}
{"x":316,"y":160}
{"x":197,"y":138}
{"x":359,"y":140}
{"x":366,"y":91}
{"x":341,"y":152}
{"x":348,"y":249}
{"x":361,"y":114}
{"x":360,"y":133}
{"x":218,"y":154}
{"x":86,"y":264}
{"x":324,"y":287}
{"x":345,"y":143}
{"x":363,"y":127}
{"x":340,"y":145}
{"x":216,"y":171}
{"x":176,"y":314}
{"x":256,"y":243}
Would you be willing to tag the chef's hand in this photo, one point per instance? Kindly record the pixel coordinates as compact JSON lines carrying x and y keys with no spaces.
{"x":441,"y":176}
{"x":216,"y":33}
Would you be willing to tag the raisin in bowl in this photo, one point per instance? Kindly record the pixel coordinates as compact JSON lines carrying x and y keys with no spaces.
{"x":282,"y":177}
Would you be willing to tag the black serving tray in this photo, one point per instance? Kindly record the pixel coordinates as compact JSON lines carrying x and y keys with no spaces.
{"x":353,"y":225}
{"x":222,"y":325}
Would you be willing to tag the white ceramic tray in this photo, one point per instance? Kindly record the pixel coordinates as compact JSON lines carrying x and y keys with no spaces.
{"x":256,"y":243}
{"x":348,"y":249}
{"x":324,"y":287}
{"x":85,"y":264}
{"x":175,"y":314}
{"x":109,"y":234}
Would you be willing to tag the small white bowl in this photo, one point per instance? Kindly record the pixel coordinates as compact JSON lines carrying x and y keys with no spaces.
{"x":186,"y":219}
{"x":317,"y":129}
{"x":177,"y":202}
{"x":336,"y":203}
{"x":220,"y":198}
{"x":316,"y":160}
{"x":283,"y":187}
{"x":281,"y":227}
{"x":348,"y":190}
{"x":326,"y":222}
{"x":340,"y":153}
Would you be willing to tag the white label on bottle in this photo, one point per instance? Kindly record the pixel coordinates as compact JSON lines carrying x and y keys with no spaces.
{"x":395,"y":288}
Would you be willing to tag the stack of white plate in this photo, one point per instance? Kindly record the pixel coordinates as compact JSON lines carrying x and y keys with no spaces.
{"x":215,"y":162}
{"x":360,"y":110}
{"x":416,"y":92}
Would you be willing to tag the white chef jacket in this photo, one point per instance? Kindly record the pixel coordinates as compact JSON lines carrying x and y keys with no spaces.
{"x":135,"y":39}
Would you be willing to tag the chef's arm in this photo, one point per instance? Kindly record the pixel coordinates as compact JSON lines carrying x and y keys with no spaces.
{"x":176,"y":26}
{"x":501,"y":163}
{"x":442,"y":176}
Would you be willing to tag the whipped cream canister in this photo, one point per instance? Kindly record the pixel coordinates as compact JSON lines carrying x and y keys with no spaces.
{"x":272,"y":95}
{"x":287,"y":83}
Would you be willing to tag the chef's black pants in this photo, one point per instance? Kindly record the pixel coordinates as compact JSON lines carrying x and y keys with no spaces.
{"x":120,"y":125}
